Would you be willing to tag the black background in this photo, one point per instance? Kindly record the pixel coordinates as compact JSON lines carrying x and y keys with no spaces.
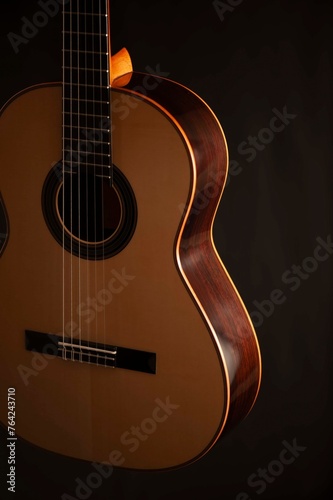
{"x":263,"y":55}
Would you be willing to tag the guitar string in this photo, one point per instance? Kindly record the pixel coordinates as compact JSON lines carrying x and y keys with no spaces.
{"x":69,"y":286}
{"x":86,"y":49}
{"x":95,"y":99}
{"x":105,"y":100}
{"x":63,"y":178}
{"x":71,"y":187}
{"x":102,"y":106}
{"x":81,"y":168}
{"x":90,"y":204}
{"x":107,"y":57}
{"x":78,"y":154}
{"x":108,"y":27}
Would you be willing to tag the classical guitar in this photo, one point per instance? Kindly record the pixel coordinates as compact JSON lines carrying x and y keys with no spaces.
{"x":123,"y":338}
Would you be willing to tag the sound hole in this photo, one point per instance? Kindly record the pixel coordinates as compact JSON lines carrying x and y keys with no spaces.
{"x":88,"y":217}
{"x":91,"y":206}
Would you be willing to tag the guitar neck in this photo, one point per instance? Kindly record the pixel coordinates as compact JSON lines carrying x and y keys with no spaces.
{"x":86,"y":83}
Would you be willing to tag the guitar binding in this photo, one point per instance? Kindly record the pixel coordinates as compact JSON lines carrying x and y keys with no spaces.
{"x":4,"y":226}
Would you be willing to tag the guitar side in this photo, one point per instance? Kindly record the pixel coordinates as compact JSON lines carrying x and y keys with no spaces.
{"x":184,"y":306}
{"x":199,"y":262}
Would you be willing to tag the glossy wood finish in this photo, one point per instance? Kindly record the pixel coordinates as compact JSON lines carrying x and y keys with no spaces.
{"x":176,"y":298}
{"x":207,"y":277}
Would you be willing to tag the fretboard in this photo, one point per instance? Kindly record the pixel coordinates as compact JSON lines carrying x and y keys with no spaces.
{"x":86,"y":93}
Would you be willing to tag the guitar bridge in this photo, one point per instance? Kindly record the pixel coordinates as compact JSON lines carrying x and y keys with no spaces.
{"x":90,"y":352}
{"x":87,"y":354}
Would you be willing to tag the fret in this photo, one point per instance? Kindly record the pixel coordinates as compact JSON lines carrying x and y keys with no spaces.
{"x":89,"y":92}
{"x":83,"y":68}
{"x":74,"y":33}
{"x":75,"y":158}
{"x":83,"y":14}
{"x":85,"y":41}
{"x":73,"y":138}
{"x":85,"y":147}
{"x":74,"y":165}
{"x":80,"y":129}
{"x":86,"y":84}
{"x":85,"y":100}
{"x":86,"y":52}
{"x":90,"y":122}
{"x":79,"y":138}
{"x":86,"y":107}
{"x":95,"y":115}
{"x":92,"y":7}
{"x":101,"y":87}
{"x":100,"y":158}
{"x":82,"y":59}
{"x":76,"y":135}
{"x":86,"y":144}
{"x":92,"y":78}
{"x":78,"y":22}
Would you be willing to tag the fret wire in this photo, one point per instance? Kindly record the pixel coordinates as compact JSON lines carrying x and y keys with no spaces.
{"x":86,"y":153}
{"x":84,"y":85}
{"x":82,"y":141}
{"x":85,"y":163}
{"x":86,"y":128}
{"x":89,"y":81}
{"x":84,"y":14}
{"x":86,"y":114}
{"x":87,"y":13}
{"x":100,"y":70}
{"x":97,"y":164}
{"x":85,"y":100}
{"x":89,"y":84}
{"x":86,"y":52}
{"x":75,"y":6}
{"x":89,"y":51}
{"x":77,"y":145}
{"x":84,"y":33}
{"x":73,"y":152}
{"x":75,"y":42}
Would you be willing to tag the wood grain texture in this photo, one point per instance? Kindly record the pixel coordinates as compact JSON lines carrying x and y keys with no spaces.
{"x":202,"y":266}
{"x":92,"y":410}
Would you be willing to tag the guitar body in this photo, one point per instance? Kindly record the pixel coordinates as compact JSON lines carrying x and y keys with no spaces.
{"x":163,"y":291}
